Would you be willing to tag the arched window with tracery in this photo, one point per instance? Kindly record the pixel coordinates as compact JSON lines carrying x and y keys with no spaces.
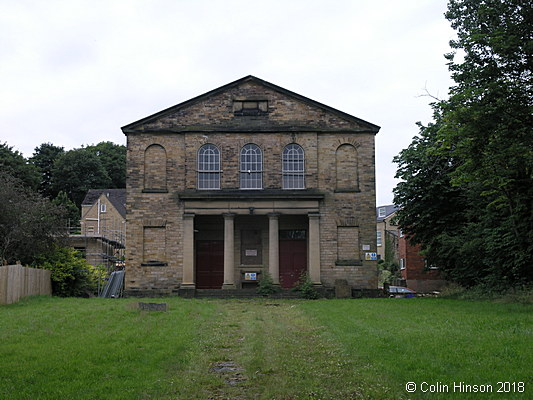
{"x":251,"y":167}
{"x":208,"y":167}
{"x":293,"y":167}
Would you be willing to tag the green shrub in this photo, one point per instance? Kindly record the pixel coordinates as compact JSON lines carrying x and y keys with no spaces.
{"x":306,"y":288}
{"x":71,"y":275}
{"x":266,"y":285}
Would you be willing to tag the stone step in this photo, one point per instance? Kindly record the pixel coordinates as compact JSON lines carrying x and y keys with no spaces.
{"x":244,"y":293}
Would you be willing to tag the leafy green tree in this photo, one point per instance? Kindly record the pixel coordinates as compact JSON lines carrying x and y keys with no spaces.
{"x":77,"y":171}
{"x":14,"y":163}
{"x":467,"y":187}
{"x":71,"y":212}
{"x":43,"y":158}
{"x":113,"y":159}
{"x":29,"y":223}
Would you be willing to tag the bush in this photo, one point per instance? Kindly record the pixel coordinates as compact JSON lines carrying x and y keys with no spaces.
{"x":388,"y":272}
{"x":71,"y":275}
{"x":306,"y":288}
{"x":266,"y":285}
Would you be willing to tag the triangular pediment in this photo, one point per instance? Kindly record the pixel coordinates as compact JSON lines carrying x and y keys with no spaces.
{"x":250,"y":105}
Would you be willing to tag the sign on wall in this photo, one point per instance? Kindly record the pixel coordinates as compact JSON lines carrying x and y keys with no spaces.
{"x":250,"y":276}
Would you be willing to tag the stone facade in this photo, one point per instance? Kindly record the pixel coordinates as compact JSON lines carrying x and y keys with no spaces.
{"x":193,"y":225}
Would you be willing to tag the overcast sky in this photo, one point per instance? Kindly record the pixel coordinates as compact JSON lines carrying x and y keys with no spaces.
{"x":73,"y":72}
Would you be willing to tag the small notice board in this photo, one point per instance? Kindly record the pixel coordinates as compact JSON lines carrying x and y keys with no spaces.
{"x":250,"y":276}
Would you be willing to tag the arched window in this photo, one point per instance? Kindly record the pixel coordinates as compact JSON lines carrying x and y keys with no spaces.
{"x":208,"y":167}
{"x":293,"y":169}
{"x":251,"y":167}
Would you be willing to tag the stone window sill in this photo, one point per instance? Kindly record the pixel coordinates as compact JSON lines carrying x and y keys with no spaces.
{"x":155,"y":191}
{"x":154,"y":264}
{"x":348,"y":263}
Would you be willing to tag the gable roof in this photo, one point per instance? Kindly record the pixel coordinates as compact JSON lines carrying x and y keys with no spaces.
{"x":147,"y":124}
{"x":117,"y":197}
{"x":389,"y":209}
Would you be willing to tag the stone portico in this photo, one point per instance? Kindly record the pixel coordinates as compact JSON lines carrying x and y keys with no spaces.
{"x":247,"y":179}
{"x":254,"y":207}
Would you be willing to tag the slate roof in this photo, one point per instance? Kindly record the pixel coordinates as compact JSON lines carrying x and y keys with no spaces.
{"x":389,"y":209}
{"x":117,"y":197}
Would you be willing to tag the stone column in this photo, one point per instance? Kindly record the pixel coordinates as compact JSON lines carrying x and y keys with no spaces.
{"x":188,"y":251}
{"x":229,"y":251}
{"x":273,"y":247}
{"x":314,"y":248}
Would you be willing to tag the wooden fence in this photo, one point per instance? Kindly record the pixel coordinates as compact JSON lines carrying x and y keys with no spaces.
{"x":17,"y":281}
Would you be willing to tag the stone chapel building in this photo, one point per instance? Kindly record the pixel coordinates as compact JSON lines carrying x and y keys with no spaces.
{"x":246,"y":179}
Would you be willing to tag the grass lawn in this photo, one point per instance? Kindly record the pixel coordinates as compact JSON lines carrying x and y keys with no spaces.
{"x":52,"y":348}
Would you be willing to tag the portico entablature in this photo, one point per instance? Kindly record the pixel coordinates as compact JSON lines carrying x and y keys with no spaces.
{"x":250,"y":203}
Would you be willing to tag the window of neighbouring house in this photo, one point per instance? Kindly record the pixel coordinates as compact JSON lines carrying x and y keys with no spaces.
{"x":293,"y":168}
{"x":382,"y":212}
{"x":103,"y":208}
{"x":402,"y":263}
{"x":379,"y":243}
{"x":208,"y":167}
{"x":251,"y":167}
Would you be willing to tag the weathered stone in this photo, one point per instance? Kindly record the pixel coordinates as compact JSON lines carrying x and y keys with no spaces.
{"x":342,"y":289}
{"x":152,"y":306}
{"x":336,"y":208}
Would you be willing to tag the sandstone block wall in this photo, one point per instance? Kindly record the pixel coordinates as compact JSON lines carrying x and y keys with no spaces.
{"x":162,"y":162}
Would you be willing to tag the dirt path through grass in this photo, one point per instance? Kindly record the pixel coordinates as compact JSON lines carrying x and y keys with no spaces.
{"x":258,"y":349}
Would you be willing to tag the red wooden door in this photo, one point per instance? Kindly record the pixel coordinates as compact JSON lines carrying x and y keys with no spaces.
{"x":209,"y":264}
{"x":292,"y":261}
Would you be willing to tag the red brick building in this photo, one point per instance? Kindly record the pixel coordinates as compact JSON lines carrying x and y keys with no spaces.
{"x":415,"y":272}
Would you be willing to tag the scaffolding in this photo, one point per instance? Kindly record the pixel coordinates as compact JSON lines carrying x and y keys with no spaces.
{"x":106,"y":247}
{"x":102,"y":245}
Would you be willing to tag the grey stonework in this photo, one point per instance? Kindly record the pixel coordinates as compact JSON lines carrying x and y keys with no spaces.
{"x":167,"y":215}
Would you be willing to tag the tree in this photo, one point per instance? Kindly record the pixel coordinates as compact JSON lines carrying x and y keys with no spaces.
{"x":14,"y":163}
{"x":467,"y":187}
{"x":71,"y":275}
{"x":43,"y":158}
{"x":77,"y":171}
{"x":71,"y":212}
{"x":113,"y":159}
{"x":29,"y":223}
